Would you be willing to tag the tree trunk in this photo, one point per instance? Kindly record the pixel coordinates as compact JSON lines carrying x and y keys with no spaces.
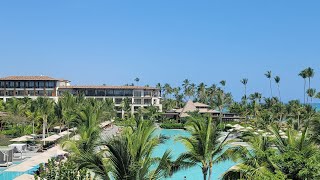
{"x":304,"y":92}
{"x":271,"y":88}
{"x":279,"y":92}
{"x":210,"y":171}
{"x":204,"y":172}
{"x":44,"y":128}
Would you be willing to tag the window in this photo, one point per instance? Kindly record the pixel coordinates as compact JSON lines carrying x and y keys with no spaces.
{"x":118,"y":92}
{"x":118,"y":100}
{"x":10,"y":93}
{"x":2,"y":84}
{"x":49,"y":93}
{"x":128,"y":92}
{"x":147,"y":101}
{"x":30,"y":84}
{"x":1,"y":93}
{"x":20,"y":84}
{"x":50,"y":84}
{"x":101,"y":93}
{"x":109,"y":92}
{"x":137,"y":93}
{"x":41,"y":84}
{"x":30,"y":93}
{"x":20,"y":93}
{"x":9,"y":84}
{"x":147,"y":93}
{"x":137,"y":101}
{"x":39,"y":93}
{"x":91,"y":92}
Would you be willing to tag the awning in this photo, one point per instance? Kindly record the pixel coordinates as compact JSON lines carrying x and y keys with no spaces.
{"x":51,"y":138}
{"x":22,"y":139}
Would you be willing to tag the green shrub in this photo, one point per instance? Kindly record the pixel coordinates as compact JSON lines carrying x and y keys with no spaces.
{"x":172,"y":126}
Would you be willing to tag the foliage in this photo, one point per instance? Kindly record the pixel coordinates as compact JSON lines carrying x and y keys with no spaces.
{"x":62,"y":171}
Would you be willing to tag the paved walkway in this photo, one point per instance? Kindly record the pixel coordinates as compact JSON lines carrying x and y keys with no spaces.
{"x":36,"y":160}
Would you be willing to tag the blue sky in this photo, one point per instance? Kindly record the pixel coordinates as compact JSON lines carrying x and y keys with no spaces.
{"x":112,"y":42}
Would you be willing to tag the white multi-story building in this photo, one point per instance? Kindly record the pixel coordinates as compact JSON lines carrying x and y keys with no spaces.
{"x":35,"y":86}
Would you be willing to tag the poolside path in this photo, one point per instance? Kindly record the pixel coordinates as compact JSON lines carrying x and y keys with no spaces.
{"x":36,"y":160}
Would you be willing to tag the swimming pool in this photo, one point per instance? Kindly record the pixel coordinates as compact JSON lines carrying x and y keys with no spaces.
{"x":178,"y":148}
{"x":8,"y":175}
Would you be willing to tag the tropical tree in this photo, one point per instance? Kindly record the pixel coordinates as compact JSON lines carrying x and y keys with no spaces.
{"x":297,"y":154}
{"x":223,"y":83}
{"x":268,"y":74}
{"x":204,"y":145}
{"x":129,"y":156}
{"x":277,"y":80}
{"x":255,"y":162}
{"x":303,"y":74}
{"x":201,"y":92}
{"x":244,"y":81}
{"x":311,"y":93}
{"x":137,"y":80}
{"x":45,"y":107}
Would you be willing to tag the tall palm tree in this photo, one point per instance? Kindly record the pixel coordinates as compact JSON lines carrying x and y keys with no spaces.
{"x":45,"y":107}
{"x":223,"y":83}
{"x":137,"y":80}
{"x":244,"y":81}
{"x":311,"y":93}
{"x":310,"y":74}
{"x":268,"y":74}
{"x":277,"y":80}
{"x":203,"y":145}
{"x":201,"y":92}
{"x":303,"y":74}
{"x":167,"y":89}
{"x":160,"y":88}
{"x":185,"y":84}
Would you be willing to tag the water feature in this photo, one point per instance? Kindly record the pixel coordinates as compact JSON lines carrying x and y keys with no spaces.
{"x":178,"y":148}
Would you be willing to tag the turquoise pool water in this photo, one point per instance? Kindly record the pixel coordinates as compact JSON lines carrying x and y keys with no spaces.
{"x":178,"y":148}
{"x":11,"y":175}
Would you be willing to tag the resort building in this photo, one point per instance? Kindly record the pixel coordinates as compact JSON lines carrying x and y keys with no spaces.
{"x":201,"y":108}
{"x":36,"y":86}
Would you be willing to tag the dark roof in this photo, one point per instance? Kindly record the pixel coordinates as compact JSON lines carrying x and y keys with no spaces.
{"x":29,"y":78}
{"x":108,"y":87}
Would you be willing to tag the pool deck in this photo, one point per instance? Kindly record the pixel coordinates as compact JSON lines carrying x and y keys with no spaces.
{"x":36,"y":160}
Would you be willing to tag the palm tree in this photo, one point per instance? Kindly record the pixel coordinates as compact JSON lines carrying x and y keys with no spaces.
{"x":201,"y":92}
{"x":129,"y":156}
{"x":311,"y":93}
{"x":309,"y":74}
{"x":244,"y":81}
{"x":223,"y":83}
{"x":186,"y":84}
{"x":45,"y":108}
{"x":137,"y":80}
{"x":255,"y":162}
{"x":303,"y":74}
{"x":203,"y":145}
{"x":277,"y":80}
{"x":268,"y":74}
{"x":220,"y":101}
{"x":167,"y":89}
{"x":160,"y":88}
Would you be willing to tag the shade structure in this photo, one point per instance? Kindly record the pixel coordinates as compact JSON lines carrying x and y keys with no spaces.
{"x":22,"y":139}
{"x":51,"y":138}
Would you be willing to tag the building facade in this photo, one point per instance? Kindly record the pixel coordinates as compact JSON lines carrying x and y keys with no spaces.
{"x":35,"y":86}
